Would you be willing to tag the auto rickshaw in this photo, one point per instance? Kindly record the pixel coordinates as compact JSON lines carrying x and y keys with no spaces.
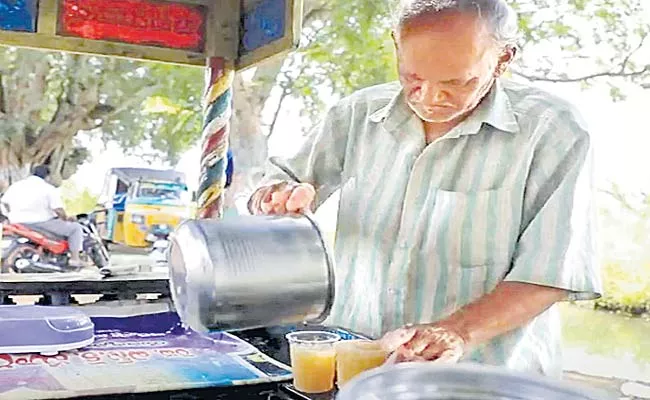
{"x":139,"y":203}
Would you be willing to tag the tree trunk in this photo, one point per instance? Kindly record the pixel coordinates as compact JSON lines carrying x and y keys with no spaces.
{"x":247,"y":140}
{"x":11,"y":173}
{"x":45,"y":101}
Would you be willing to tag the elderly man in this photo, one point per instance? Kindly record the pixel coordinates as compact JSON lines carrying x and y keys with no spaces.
{"x":466,"y":204}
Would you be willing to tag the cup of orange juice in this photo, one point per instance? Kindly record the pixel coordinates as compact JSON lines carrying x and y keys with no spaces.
{"x":313,"y":360}
{"x":356,"y":356}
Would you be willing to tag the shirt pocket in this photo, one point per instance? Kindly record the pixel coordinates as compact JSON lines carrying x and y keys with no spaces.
{"x":474,"y":229}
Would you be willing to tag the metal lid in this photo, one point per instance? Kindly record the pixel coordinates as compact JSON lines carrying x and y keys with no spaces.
{"x":427,"y":381}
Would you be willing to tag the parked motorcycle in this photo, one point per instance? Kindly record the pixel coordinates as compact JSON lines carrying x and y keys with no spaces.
{"x":26,"y":249}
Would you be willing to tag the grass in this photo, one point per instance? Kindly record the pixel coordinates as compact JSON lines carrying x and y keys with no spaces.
{"x":626,"y":287}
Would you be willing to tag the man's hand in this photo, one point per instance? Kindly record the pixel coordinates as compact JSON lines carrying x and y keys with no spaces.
{"x":509,"y":306}
{"x":282,"y":198}
{"x":423,"y":343}
{"x":60,"y":213}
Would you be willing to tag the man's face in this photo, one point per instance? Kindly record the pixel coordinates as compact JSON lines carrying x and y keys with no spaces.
{"x":447,"y":64}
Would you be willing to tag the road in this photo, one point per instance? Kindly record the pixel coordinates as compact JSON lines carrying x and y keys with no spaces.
{"x":124,"y":259}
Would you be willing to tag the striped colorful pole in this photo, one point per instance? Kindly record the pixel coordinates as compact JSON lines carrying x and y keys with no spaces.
{"x":217,"y":103}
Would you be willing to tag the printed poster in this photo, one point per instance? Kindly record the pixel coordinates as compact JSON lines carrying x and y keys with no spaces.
{"x":132,"y":355}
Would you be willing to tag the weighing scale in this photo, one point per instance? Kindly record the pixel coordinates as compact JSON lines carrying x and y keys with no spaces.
{"x":44,"y":330}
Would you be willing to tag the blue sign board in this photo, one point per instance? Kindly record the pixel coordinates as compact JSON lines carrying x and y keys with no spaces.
{"x":263,"y":25}
{"x":18,"y":15}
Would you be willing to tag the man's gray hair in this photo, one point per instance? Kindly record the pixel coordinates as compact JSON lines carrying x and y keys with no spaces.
{"x":499,"y":16}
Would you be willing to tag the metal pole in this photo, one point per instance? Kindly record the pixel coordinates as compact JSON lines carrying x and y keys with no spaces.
{"x":217,"y":111}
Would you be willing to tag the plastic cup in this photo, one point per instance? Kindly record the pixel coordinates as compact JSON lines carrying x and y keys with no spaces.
{"x":313,"y":360}
{"x":356,"y":356}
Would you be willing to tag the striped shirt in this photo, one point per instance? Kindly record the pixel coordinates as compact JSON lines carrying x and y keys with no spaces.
{"x":426,"y":229}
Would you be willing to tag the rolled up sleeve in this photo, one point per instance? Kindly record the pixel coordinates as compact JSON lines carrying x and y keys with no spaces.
{"x":557,"y":246}
{"x":320,"y":159}
{"x":54,"y":199}
{"x":8,"y":196}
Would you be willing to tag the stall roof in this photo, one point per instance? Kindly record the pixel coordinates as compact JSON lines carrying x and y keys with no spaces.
{"x":148,"y":174}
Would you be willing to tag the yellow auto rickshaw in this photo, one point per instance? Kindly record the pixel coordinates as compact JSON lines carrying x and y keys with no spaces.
{"x":140,"y":204}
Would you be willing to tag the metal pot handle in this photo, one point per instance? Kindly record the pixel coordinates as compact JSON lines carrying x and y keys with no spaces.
{"x":330,"y":273}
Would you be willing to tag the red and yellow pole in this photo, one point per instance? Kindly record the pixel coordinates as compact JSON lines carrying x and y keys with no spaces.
{"x":217,"y":103}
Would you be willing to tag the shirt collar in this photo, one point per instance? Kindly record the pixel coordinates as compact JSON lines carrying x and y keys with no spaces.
{"x":495,"y":110}
{"x":394,"y":114}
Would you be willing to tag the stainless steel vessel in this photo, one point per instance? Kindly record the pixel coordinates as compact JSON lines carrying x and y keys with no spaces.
{"x":250,"y":271}
{"x":426,"y":381}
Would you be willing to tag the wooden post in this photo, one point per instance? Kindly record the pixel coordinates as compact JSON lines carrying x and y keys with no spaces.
{"x":222,"y":43}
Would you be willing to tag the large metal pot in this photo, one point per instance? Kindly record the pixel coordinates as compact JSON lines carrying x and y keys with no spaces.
{"x":250,"y":271}
{"x":426,"y":381}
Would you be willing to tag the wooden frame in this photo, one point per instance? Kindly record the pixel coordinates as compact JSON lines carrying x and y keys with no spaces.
{"x":218,"y":24}
{"x":100,"y":47}
{"x":46,"y":38}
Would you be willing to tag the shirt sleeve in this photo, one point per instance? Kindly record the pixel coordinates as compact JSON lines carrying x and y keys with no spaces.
{"x":55,"y":199}
{"x":557,"y":244}
{"x":8,"y":196}
{"x":320,"y":159}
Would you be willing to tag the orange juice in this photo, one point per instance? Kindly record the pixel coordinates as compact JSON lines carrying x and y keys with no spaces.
{"x":313,"y":370}
{"x":356,"y":356}
{"x":313,"y":360}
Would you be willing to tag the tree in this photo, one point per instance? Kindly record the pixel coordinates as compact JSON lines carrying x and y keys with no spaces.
{"x":77,"y":200}
{"x":586,"y":42}
{"x":47,"y":99}
{"x":624,"y":251}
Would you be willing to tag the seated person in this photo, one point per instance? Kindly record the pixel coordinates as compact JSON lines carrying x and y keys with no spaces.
{"x":36,"y":203}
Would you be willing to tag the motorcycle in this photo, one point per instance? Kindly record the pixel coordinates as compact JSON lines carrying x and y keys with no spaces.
{"x":26,"y":249}
{"x":158,"y":239}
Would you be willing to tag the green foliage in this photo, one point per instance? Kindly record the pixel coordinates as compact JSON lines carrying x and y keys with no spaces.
{"x":625,"y":229}
{"x":169,"y":119}
{"x":606,"y":334}
{"x":347,"y":46}
{"x":76,"y":200}
{"x":583,"y":40}
{"x":46,"y":98}
{"x":626,"y":286}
